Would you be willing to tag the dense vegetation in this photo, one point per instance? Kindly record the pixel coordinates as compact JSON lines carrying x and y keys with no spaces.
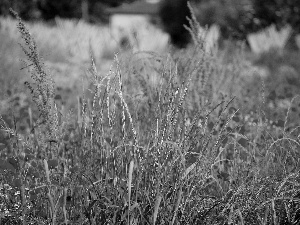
{"x":187,"y":137}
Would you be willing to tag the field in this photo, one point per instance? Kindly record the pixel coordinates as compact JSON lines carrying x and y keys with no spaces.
{"x":95,"y":133}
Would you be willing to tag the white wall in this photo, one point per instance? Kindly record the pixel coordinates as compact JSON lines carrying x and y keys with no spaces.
{"x":142,"y":35}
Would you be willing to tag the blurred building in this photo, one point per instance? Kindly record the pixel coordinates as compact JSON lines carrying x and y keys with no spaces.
{"x":134,"y":12}
{"x":145,"y":8}
{"x":133,"y":20}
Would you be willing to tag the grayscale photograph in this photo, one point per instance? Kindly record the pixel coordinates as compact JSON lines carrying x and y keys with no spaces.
{"x":149,"y":112}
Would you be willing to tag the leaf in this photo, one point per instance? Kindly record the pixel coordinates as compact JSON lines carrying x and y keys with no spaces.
{"x":243,"y":142}
{"x":242,"y":130}
{"x":225,"y":140}
{"x":236,"y":119}
{"x":4,"y":165}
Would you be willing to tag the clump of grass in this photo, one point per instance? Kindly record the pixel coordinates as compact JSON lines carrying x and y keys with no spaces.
{"x":42,"y":87}
{"x":183,"y":155}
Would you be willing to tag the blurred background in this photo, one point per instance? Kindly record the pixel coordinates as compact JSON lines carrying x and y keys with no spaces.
{"x":236,"y":18}
{"x":67,"y":32}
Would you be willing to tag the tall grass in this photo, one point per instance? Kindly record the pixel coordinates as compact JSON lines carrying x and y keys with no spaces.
{"x":67,"y":40}
{"x":178,"y":151}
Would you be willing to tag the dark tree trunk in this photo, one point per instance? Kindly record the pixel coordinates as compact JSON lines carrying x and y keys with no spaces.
{"x":85,"y":10}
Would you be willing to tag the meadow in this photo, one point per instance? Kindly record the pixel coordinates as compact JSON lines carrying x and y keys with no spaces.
{"x":92,"y":133}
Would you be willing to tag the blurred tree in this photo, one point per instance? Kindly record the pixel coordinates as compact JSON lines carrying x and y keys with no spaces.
{"x":173,"y":15}
{"x":62,"y":8}
{"x":91,"y":10}
{"x":235,"y":17}
{"x":26,"y":9}
{"x":278,"y":12}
